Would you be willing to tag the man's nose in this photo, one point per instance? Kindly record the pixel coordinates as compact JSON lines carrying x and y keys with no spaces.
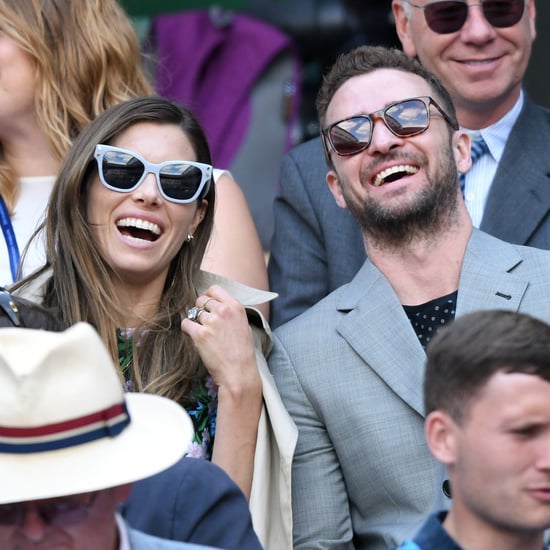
{"x":382,"y":138}
{"x":476,"y":28}
{"x":33,"y":525}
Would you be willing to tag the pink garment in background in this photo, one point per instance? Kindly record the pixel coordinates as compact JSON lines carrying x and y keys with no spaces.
{"x":211,"y":66}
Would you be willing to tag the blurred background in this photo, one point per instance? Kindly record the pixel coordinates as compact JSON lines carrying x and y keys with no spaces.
{"x":273,"y":108}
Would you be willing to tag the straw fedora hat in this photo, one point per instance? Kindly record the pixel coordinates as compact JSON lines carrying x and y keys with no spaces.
{"x":66,"y":425}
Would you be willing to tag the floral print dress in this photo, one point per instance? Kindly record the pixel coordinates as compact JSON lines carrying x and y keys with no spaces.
{"x":203,"y":413}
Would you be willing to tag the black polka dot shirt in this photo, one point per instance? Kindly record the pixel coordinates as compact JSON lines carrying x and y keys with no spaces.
{"x":427,"y":318}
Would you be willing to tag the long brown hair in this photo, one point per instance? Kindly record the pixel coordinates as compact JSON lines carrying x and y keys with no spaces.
{"x":87,"y":58}
{"x":81,"y":285}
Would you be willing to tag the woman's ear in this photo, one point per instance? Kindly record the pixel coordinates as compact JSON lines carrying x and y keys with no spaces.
{"x":200,"y":212}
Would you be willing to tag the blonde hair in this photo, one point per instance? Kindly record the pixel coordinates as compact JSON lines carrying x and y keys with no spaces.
{"x":87,"y":58}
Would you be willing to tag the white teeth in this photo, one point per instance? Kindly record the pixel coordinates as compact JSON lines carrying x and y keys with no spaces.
{"x":380,"y":177}
{"x":140,"y":224}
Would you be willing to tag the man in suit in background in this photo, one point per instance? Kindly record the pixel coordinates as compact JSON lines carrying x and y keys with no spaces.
{"x":316,"y":245}
{"x":487,"y":402}
{"x":350,"y":369}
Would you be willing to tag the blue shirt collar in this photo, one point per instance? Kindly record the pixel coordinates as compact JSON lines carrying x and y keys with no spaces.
{"x":496,"y":135}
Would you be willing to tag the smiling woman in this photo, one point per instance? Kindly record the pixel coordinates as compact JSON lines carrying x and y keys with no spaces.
{"x":140,"y":221}
{"x":127,"y":228}
{"x":63,"y":63}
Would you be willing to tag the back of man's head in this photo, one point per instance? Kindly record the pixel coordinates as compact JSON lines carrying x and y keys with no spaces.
{"x":464,"y":355}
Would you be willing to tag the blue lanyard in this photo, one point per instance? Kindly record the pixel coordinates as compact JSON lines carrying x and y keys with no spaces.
{"x":9,"y":236}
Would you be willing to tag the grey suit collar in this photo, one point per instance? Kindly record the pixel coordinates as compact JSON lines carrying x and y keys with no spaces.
{"x":377,"y":328}
{"x":522,"y":181}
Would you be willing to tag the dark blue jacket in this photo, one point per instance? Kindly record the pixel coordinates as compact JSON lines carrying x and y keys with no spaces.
{"x":193,"y":501}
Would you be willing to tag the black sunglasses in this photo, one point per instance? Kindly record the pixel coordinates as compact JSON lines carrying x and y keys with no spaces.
{"x":57,"y":512}
{"x":406,"y":118}
{"x":180,"y":181}
{"x":448,"y":16}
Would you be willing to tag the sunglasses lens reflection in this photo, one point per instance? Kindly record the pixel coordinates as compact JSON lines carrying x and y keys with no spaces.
{"x":351,"y":136}
{"x":503,"y":13}
{"x":180,"y":181}
{"x":446,"y":17}
{"x":449,"y":16}
{"x":404,"y":119}
{"x":122,"y":171}
{"x":407,"y":118}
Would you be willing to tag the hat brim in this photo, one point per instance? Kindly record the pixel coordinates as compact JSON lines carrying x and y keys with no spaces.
{"x":158,"y":436}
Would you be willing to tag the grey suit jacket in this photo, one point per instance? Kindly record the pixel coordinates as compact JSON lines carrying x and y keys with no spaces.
{"x":317,"y":246}
{"x":350,"y":372}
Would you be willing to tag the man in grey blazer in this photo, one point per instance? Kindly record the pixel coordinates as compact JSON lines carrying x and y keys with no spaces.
{"x":350,"y":369}
{"x":316,"y":245}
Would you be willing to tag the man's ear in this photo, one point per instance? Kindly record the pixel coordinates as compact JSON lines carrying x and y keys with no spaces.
{"x":440,"y":430}
{"x":336,"y":189}
{"x":461,"y":151}
{"x":403,"y":28}
{"x":122,"y":492}
{"x":531,"y":13}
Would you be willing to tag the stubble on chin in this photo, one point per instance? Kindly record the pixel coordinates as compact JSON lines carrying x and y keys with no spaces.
{"x":425,"y":214}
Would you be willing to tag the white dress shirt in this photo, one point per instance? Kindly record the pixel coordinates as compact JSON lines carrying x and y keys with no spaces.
{"x":480,"y":177}
{"x":122,"y":534}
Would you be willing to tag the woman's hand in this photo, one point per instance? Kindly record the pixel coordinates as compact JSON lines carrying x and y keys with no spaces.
{"x":224,"y":341}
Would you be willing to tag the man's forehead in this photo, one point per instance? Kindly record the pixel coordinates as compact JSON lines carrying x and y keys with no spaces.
{"x":367,"y":93}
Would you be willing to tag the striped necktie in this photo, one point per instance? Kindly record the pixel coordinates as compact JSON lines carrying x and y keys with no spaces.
{"x":478,"y":148}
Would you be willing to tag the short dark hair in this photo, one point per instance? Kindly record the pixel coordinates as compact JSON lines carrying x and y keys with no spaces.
{"x":464,"y":355}
{"x":18,"y":312}
{"x":367,"y":59}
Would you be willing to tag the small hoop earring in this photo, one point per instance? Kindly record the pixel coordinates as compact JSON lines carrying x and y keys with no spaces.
{"x":189,"y":237}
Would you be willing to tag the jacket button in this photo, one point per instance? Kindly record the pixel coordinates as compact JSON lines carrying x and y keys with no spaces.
{"x":446,"y":486}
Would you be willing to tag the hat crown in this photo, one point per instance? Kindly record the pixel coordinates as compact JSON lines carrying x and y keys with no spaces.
{"x":51,"y":377}
{"x":66,"y":425}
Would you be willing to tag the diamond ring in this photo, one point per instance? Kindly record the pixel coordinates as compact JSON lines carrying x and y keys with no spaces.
{"x":194,"y":313}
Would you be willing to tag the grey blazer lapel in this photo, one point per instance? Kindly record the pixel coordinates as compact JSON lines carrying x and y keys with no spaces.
{"x":377,"y":328}
{"x":486,"y":281}
{"x":519,"y":198}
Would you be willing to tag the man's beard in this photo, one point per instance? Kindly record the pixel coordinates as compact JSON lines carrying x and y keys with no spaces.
{"x":432,"y":210}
